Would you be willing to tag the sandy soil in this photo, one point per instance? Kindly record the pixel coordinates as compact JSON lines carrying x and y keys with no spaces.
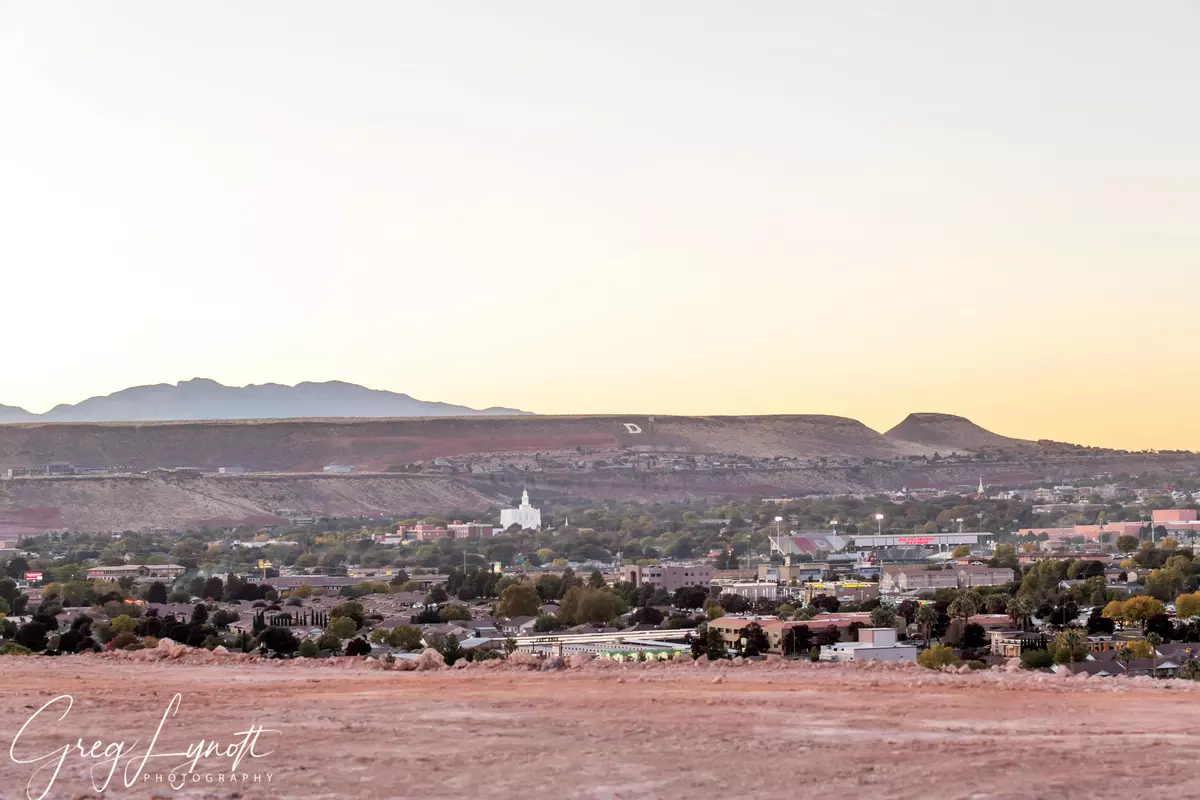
{"x":621,"y":732}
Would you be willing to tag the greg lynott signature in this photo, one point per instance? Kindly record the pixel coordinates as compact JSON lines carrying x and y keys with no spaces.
{"x":131,"y":763}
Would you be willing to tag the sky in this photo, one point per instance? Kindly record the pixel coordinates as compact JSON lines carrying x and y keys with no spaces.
{"x":859,"y":208}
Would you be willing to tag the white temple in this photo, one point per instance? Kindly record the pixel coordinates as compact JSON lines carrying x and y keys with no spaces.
{"x":528,"y":517}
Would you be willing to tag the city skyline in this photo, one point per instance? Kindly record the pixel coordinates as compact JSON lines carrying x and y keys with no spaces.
{"x":859,"y":211}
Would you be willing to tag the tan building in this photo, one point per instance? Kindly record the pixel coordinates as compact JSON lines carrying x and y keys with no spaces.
{"x":140,"y":572}
{"x":731,"y":628}
{"x":919,"y":578}
{"x":667,"y":578}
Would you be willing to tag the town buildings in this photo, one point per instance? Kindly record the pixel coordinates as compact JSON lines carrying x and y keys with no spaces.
{"x":525,"y":515}
{"x":920,"y":578}
{"x":668,"y":578}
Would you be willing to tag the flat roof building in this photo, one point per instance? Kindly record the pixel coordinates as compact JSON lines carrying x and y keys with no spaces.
{"x":668,"y":578}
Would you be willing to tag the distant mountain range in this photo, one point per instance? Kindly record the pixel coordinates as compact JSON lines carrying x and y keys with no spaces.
{"x":203,"y":399}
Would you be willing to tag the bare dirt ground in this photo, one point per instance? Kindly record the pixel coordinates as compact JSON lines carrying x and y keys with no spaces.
{"x":618,"y":732}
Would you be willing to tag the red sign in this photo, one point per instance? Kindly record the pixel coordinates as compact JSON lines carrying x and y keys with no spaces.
{"x":33,"y":576}
{"x":916,"y":540}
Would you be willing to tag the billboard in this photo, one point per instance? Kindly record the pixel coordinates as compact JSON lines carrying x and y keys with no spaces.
{"x":916,"y":540}
{"x":33,"y":576}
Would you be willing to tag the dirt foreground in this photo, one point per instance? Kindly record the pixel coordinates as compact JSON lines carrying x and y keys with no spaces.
{"x":617,"y":731}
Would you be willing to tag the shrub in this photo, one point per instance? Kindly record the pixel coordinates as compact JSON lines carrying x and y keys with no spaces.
{"x":937,"y":657}
{"x":358,"y":647}
{"x":32,"y":635}
{"x":123,"y":641}
{"x":279,"y":640}
{"x":309,"y":649}
{"x":14,"y":649}
{"x":1036,"y":659}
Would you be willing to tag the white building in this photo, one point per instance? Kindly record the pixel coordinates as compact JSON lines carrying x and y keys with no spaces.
{"x":339,"y":469}
{"x":526,"y":516}
{"x":874,"y":644}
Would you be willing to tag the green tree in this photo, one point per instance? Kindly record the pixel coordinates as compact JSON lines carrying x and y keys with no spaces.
{"x":714,"y":645}
{"x":1127,"y":544}
{"x":451,"y":650}
{"x":1141,"y":608}
{"x":596,"y":580}
{"x":713,"y":610}
{"x":352,"y":610}
{"x":157,"y":593}
{"x":1187,"y":605}
{"x":453,"y":612}
{"x":883,"y":616}
{"x":965,"y":605}
{"x":405,"y":637}
{"x":124,"y":624}
{"x":519,"y":600}
{"x":279,"y":640}
{"x":341,"y":627}
{"x":308,"y":649}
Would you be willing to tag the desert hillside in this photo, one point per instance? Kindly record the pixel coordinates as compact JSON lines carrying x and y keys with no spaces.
{"x":308,"y":445}
{"x":948,"y":433}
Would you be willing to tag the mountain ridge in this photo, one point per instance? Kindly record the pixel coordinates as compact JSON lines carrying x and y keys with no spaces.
{"x":203,"y":399}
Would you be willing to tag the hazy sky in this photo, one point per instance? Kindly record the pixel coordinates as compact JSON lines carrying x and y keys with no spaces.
{"x":855,"y":208}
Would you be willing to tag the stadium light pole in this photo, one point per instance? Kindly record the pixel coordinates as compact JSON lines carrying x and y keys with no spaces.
{"x":879,"y":523}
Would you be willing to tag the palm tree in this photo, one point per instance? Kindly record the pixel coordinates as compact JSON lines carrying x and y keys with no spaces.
{"x":1125,"y":655}
{"x":1072,"y":639}
{"x":1018,"y":609}
{"x":926,"y":617}
{"x":965,"y":605}
{"x":1154,"y":640}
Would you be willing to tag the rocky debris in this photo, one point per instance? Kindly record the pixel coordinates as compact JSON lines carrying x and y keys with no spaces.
{"x":521,"y":658}
{"x":579,"y":660}
{"x":430,"y":659}
{"x":551,"y":663}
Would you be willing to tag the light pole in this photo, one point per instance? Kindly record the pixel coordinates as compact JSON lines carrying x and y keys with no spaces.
{"x":879,"y":524}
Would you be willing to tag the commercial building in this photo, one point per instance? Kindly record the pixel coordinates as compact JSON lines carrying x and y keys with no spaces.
{"x":792,"y":574}
{"x":140,"y":572}
{"x":470,"y":530}
{"x":426,"y":533}
{"x":338,"y":469}
{"x":525,"y":515}
{"x":1162,"y":516}
{"x":754,"y":590}
{"x":668,"y":578}
{"x":844,"y":591}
